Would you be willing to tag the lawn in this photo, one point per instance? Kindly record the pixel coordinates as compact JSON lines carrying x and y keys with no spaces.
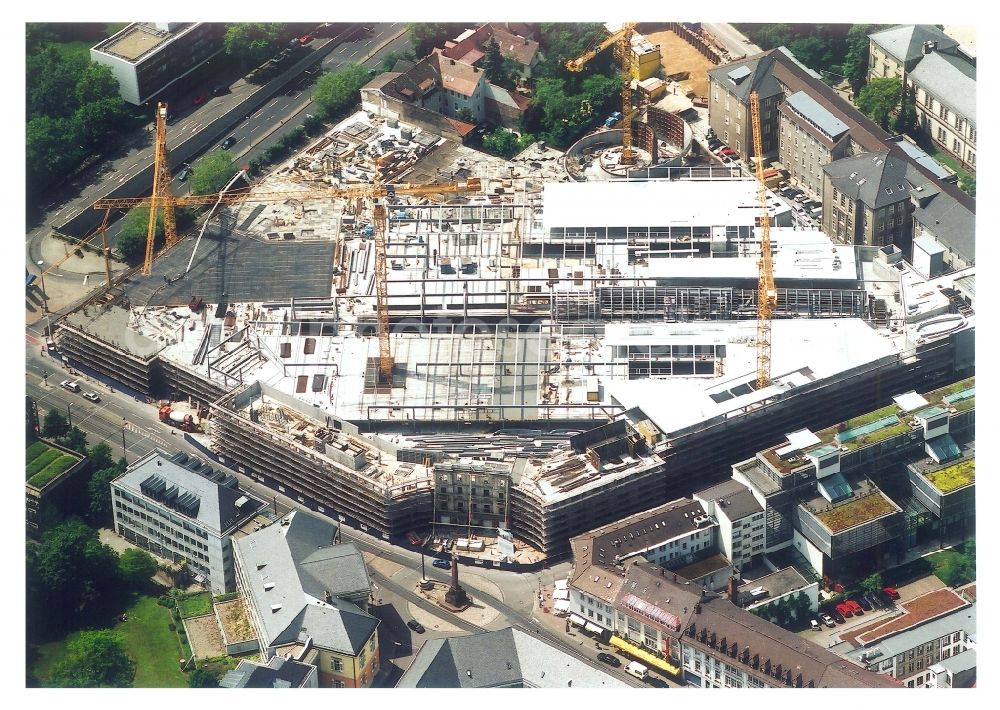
{"x":948,"y":566}
{"x":855,"y":512}
{"x":195,"y":604}
{"x":148,"y":640}
{"x":41,"y":461}
{"x":35,"y":450}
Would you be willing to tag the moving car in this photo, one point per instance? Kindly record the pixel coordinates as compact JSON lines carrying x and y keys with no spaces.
{"x":609,"y":659}
{"x":72,"y":386}
{"x":92,"y":396}
{"x":442,"y":564}
{"x":416,"y":626}
{"x":229,"y":143}
{"x":183,"y":174}
{"x":827,"y":620}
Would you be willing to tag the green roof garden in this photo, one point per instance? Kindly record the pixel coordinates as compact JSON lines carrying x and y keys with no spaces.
{"x":44,"y":464}
{"x":953,"y":477}
{"x":855,"y":512}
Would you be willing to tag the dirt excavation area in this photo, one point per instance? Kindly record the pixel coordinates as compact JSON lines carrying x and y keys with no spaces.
{"x":678,"y":56}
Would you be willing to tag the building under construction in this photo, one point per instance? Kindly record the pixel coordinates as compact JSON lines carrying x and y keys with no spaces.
{"x":593,"y":345}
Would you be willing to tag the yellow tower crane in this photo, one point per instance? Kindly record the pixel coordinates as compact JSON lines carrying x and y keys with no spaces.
{"x":622,"y":40}
{"x":767,"y":295}
{"x":377,"y":192}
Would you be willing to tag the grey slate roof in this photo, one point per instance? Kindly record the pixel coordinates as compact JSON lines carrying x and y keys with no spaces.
{"x":920,"y":156}
{"x":960,"y":662}
{"x":808,"y":108}
{"x":947,"y":219}
{"x":737,"y":501}
{"x":877,"y":179}
{"x":761,"y":80}
{"x":950,"y":80}
{"x":278,"y":673}
{"x":508,"y":658}
{"x":217,"y":509}
{"x":906,"y":42}
{"x":299,"y":563}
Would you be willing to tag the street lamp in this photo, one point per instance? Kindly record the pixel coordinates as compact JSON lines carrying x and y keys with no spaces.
{"x":124,"y":445}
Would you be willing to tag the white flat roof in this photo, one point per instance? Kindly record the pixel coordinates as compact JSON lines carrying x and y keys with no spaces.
{"x":803,"y":351}
{"x":618,"y":203}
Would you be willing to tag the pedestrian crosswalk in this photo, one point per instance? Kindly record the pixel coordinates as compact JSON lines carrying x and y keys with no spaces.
{"x":129,"y":426}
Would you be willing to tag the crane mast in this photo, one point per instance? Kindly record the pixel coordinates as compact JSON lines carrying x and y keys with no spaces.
{"x":767,"y":295}
{"x":161,"y":196}
{"x":379,"y":224}
{"x":622,"y":41}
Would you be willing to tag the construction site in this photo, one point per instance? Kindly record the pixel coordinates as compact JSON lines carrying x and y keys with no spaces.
{"x":389,"y":304}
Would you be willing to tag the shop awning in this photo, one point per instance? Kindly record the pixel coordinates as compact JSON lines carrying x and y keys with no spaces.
{"x":644,"y":656}
{"x":561,"y":605}
{"x":578,"y":620}
{"x":560,"y":594}
{"x":562,"y":583}
{"x":593,"y":628}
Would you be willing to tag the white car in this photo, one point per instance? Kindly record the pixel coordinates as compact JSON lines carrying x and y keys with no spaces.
{"x":72,"y":386}
{"x":92,"y":396}
{"x":814,"y":625}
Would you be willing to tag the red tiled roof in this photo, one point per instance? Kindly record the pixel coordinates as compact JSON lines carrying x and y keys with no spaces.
{"x":915,"y":612}
{"x":462,"y":127}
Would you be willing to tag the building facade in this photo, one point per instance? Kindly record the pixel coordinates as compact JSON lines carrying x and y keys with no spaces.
{"x":740,"y":518}
{"x":810,"y":137}
{"x":147,"y":59}
{"x":183,"y":511}
{"x":471,"y":498}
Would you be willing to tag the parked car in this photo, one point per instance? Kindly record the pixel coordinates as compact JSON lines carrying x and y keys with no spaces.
{"x":837,"y":616}
{"x":609,"y":659}
{"x":199,"y":99}
{"x":416,"y":626}
{"x":855,"y":607}
{"x":656,"y":682}
{"x":220,"y":89}
{"x":229,"y":143}
{"x":305,"y":39}
{"x":92,"y":396}
{"x":726,"y":152}
{"x":827,"y":620}
{"x":890,"y":592}
{"x":874,"y":600}
{"x":814,"y":625}
{"x":71,"y":385}
{"x":864,"y":603}
{"x":442,"y":564}
{"x":845,"y":609}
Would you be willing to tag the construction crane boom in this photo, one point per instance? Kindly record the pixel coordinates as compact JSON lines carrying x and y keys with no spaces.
{"x":622,"y":40}
{"x":767,"y":295}
{"x":162,"y":196}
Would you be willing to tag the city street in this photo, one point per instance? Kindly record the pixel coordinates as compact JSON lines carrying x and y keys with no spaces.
{"x":732,"y":38}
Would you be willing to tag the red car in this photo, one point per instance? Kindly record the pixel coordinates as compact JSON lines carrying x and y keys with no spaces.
{"x":200,"y":99}
{"x":845,"y":610}
{"x":855,"y":607}
{"x":891,"y":592}
{"x":306,"y":39}
{"x":726,"y":152}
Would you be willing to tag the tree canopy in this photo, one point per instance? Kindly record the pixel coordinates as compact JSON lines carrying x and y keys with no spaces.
{"x":872,"y":584}
{"x":136,"y":567}
{"x":54,"y":424}
{"x":211,"y":172}
{"x":879,"y":99}
{"x":336,"y":91}
{"x":253,"y":43}
{"x":425,"y":36}
{"x":95,"y":659}
{"x":132,"y":235}
{"x":201,"y":678}
{"x":99,"y":492}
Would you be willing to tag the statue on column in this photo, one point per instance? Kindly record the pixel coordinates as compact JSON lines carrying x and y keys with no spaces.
{"x":456,"y":596}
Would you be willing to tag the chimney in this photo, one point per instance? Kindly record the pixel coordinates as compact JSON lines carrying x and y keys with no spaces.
{"x":731,"y":590}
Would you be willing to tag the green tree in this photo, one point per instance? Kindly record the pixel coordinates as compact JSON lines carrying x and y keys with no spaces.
{"x":74,"y":570}
{"x":53,"y":150}
{"x":906,"y":119}
{"x":493,"y":64}
{"x":813,"y":51}
{"x":201,"y":678}
{"x":95,"y":659}
{"x":75,"y":439}
{"x":561,"y":41}
{"x":336,"y":91}
{"x":211,"y":172}
{"x":855,"y":65}
{"x":136,"y":567}
{"x":252,"y":43}
{"x":425,"y":36}
{"x":52,"y":80}
{"x":879,"y":99}
{"x":95,"y":83}
{"x":872,"y":584}
{"x":98,"y":122}
{"x":501,"y":142}
{"x":465,"y":114}
{"x":132,"y":236}
{"x":968,"y":184}
{"x":100,"y":456}
{"x":99,"y":493}
{"x":54,"y":424}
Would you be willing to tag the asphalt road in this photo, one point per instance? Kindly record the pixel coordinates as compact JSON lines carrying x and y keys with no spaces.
{"x":734,"y":40}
